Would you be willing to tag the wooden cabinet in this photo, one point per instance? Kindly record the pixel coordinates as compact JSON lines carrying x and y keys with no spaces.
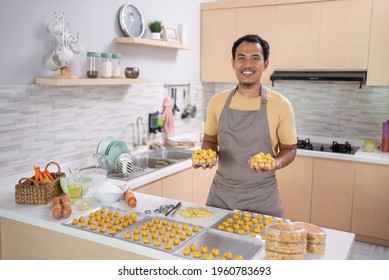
{"x":218,"y":33}
{"x":377,"y":73}
{"x":202,"y":180}
{"x":371,"y":201}
{"x":297,"y":36}
{"x":344,"y":34}
{"x":295,"y":186}
{"x":178,"y":186}
{"x":332,"y":194}
{"x":261,"y":21}
{"x":153,"y":188}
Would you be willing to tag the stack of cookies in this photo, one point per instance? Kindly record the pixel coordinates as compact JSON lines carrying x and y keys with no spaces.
{"x":285,"y":242}
{"x":316,"y":238}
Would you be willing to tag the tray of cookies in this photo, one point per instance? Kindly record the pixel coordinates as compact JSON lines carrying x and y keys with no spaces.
{"x":246,"y":223}
{"x":106,"y":221}
{"x":316,"y":238}
{"x":159,"y":233}
{"x":214,"y":244}
{"x":285,"y":242}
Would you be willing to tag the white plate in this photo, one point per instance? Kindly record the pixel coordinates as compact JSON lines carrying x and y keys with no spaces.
{"x":103,"y":144}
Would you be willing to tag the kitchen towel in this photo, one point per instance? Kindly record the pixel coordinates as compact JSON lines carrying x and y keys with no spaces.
{"x":167,"y":116}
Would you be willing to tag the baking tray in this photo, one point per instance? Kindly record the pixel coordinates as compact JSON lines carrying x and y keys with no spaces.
{"x":238,"y":222}
{"x":169,"y":227}
{"x":248,"y":248}
{"x":117,"y":218}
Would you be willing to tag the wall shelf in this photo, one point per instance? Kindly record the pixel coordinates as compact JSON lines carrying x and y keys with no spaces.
{"x":87,"y":81}
{"x":152,"y":43}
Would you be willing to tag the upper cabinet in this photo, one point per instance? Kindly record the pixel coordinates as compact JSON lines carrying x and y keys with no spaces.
{"x":377,"y":73}
{"x":218,"y":33}
{"x":303,"y":35}
{"x":344,"y":34}
{"x":297,"y":36}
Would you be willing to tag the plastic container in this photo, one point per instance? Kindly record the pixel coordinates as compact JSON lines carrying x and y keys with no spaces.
{"x":105,"y":65}
{"x":316,"y":238}
{"x":285,"y":242}
{"x":116,"y":68}
{"x":92,"y":67}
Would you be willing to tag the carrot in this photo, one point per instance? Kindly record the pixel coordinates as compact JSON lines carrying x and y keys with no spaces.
{"x":38,"y":174}
{"x":49,"y":175}
{"x":45,"y":175}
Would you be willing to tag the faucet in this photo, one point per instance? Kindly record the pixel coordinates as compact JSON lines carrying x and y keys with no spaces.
{"x":138,"y":139}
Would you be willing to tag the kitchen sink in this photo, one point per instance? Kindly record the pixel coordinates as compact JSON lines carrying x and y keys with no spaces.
{"x":150,"y":161}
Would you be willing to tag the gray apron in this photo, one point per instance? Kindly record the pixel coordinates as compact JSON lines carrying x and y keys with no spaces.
{"x":241,"y":134}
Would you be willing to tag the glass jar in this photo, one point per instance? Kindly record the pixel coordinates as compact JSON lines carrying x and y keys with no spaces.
{"x":106,"y":65}
{"x":74,"y":181}
{"x":92,"y":67}
{"x":116,"y":69}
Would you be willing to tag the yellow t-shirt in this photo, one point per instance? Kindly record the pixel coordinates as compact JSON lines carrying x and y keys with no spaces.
{"x":280,"y":114}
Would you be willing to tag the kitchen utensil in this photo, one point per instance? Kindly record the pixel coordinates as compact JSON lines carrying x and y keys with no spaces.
{"x":175,"y":107}
{"x":124,"y":164}
{"x":118,"y":147}
{"x":76,"y":46}
{"x":55,"y":25}
{"x":65,"y":54}
{"x":103,"y":144}
{"x":178,"y":206}
{"x":184,"y":112}
{"x":100,"y":160}
{"x":174,"y":208}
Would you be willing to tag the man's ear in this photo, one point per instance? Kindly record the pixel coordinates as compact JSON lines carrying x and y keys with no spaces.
{"x":233,"y":63}
{"x":266,"y":64}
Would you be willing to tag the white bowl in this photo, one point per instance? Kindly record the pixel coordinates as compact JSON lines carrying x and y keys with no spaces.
{"x":108,"y":192}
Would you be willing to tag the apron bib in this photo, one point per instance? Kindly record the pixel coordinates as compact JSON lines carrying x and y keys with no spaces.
{"x":241,"y":134}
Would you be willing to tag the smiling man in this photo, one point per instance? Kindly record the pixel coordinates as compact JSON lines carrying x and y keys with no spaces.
{"x":245,"y":121}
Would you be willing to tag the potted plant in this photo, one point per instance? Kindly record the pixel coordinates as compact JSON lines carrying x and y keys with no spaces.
{"x":155,"y":28}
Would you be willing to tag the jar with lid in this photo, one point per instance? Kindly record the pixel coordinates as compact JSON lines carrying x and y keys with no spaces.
{"x":92,"y":67}
{"x":116,"y":57}
{"x":106,"y":65}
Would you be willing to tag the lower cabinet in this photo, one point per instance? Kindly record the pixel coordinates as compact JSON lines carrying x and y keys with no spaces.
{"x":371,"y":201}
{"x":202,"y":180}
{"x":153,"y":188}
{"x":178,"y":186}
{"x":332,"y":194}
{"x":295,"y":187}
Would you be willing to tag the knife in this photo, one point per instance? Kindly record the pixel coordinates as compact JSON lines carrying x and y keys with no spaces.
{"x":174,"y":208}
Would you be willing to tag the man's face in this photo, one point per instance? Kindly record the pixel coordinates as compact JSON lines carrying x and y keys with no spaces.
{"x":249,"y":63}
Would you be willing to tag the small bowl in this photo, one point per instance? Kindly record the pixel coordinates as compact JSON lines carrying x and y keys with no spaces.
{"x":131,"y":72}
{"x":109,"y":193}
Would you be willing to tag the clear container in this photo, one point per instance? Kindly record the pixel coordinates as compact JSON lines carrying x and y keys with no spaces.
{"x":106,"y":65}
{"x":116,"y":69}
{"x":75,"y":188}
{"x":92,"y":67}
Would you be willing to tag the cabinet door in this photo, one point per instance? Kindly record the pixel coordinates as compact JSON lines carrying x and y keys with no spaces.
{"x":218,"y":33}
{"x":332,"y":194}
{"x":154,"y":188}
{"x":297,"y":36}
{"x":178,"y":186}
{"x":377,"y":73}
{"x":371,"y":201}
{"x":344,"y":34}
{"x":261,"y":21}
{"x":295,"y":186}
{"x":202,"y":180}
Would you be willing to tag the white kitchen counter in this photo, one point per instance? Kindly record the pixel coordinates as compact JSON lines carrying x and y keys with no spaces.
{"x":338,"y":246}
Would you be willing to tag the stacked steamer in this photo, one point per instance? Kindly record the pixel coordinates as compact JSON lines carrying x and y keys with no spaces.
{"x":285,"y":242}
{"x":316,"y":238}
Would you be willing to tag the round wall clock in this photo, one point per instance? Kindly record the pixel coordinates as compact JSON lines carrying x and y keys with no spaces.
{"x":131,"y":21}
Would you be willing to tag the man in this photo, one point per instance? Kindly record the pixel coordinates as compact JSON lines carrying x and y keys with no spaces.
{"x":243,"y":122}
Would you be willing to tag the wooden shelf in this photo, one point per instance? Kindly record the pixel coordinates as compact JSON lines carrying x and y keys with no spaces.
{"x":153,"y":43}
{"x":87,"y":81}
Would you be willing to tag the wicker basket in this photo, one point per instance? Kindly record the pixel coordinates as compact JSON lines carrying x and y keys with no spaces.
{"x":28,"y":191}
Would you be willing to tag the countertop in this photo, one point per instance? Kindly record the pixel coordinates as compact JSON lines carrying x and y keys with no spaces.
{"x":338,"y":244}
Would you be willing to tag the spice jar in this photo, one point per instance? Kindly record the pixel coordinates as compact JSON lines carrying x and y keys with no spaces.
{"x":92,"y":61}
{"x":116,"y":57}
{"x":106,"y":65}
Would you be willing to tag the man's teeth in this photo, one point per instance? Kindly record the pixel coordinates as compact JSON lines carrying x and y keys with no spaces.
{"x":247,"y":72}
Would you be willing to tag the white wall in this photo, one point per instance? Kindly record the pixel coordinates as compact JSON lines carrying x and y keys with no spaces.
{"x":26,"y":41}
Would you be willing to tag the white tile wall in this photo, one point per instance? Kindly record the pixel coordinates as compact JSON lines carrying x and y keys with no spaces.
{"x":39,"y":124}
